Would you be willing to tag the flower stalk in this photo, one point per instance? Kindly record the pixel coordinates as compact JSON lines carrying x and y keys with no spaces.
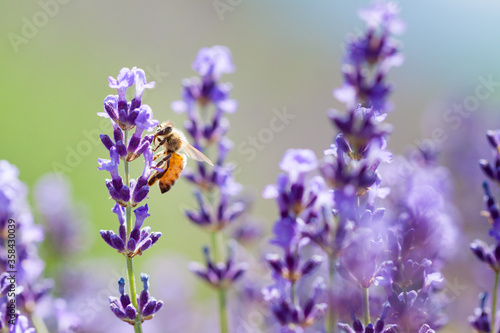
{"x":494,"y":302}
{"x":129,"y":260}
{"x":221,"y":291}
{"x":38,"y":323}
{"x":224,"y":328}
{"x":366,"y":305}
{"x":331,"y":318}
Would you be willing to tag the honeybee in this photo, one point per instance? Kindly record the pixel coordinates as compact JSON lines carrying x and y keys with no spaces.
{"x":173,"y":157}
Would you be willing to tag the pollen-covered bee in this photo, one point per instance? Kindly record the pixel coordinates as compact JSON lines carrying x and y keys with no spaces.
{"x":173,"y":157}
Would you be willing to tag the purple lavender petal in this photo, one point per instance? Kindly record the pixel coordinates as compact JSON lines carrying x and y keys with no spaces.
{"x":141,"y":214}
{"x":117,"y":242}
{"x":213,"y":62}
{"x":131,"y":312}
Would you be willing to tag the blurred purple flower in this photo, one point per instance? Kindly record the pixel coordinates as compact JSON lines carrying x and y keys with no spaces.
{"x":481,"y":321}
{"x":297,"y":163}
{"x":216,"y":190}
{"x":219,"y":274}
{"x":492,"y":212}
{"x":30,"y":288}
{"x":384,"y":15}
{"x":292,"y":316}
{"x":490,"y":255}
{"x":212,"y":62}
{"x":422,"y":200}
{"x":22,"y":325}
{"x":340,"y":170}
{"x":64,"y":220}
{"x":360,"y":259}
{"x":379,"y":327}
{"x":361,"y":127}
{"x":492,"y":171}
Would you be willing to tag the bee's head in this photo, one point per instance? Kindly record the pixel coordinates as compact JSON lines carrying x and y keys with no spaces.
{"x":164,"y":129}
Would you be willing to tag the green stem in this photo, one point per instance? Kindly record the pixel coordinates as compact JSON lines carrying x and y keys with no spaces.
{"x":218,"y":250}
{"x":130,"y":263}
{"x":407,"y":322}
{"x":223,"y":310}
{"x":331,"y":319}
{"x":494,"y":303}
{"x":38,"y":324}
{"x":293,"y":295}
{"x":221,"y":291}
{"x":366,"y":305}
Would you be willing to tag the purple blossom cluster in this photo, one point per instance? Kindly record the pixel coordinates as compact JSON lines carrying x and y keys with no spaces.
{"x":124,"y":309}
{"x":219,"y":274}
{"x":19,"y":292}
{"x":298,"y":203}
{"x":206,"y":90}
{"x":369,"y":57}
{"x":206,"y":101}
{"x":26,"y":302}
{"x":422,"y":235}
{"x":360,"y":237}
{"x":484,"y":319}
{"x":129,"y":193}
{"x":379,"y":326}
{"x":375,"y":234}
{"x":208,"y":129}
{"x":138,"y":240}
{"x":64,"y":221}
{"x":126,"y":116}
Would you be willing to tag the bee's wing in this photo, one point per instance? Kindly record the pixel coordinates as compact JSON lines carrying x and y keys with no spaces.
{"x":194,"y":153}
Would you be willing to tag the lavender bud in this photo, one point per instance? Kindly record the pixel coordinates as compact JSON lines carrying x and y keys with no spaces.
{"x":131,"y":312}
{"x":106,"y":141}
{"x":117,"y":242}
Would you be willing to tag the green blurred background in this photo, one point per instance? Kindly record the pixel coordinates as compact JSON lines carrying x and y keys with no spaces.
{"x":287,"y":54}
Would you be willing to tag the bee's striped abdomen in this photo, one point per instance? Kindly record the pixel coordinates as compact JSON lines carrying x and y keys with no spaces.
{"x":172,"y":174}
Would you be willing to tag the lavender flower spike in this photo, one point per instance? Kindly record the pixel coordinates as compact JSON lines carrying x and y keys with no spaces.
{"x":206,"y":102}
{"x":129,"y":193}
{"x":489,"y":254}
{"x":300,"y":201}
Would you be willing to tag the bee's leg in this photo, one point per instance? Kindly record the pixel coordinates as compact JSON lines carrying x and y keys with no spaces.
{"x":165,"y":159}
{"x":157,"y":155}
{"x":160,"y":144}
{"x":160,"y":174}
